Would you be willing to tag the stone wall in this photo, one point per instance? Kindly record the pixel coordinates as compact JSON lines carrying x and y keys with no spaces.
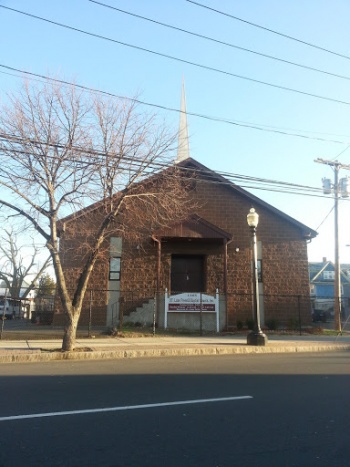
{"x":284,"y":259}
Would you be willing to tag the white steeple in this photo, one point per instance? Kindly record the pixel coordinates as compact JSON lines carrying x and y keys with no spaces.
{"x":183,"y":148}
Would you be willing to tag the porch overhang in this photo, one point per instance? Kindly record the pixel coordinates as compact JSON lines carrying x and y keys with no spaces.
{"x":193,"y":228}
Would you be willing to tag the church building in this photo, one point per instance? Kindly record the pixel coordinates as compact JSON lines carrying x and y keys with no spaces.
{"x":197,"y":273}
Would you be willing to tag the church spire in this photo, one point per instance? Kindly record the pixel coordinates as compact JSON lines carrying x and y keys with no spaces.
{"x":183,"y":148}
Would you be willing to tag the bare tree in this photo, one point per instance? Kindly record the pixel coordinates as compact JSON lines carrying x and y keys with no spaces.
{"x":62,"y":149}
{"x":17,"y":266}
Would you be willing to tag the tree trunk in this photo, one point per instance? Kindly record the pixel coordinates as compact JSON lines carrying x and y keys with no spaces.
{"x":70,"y":333}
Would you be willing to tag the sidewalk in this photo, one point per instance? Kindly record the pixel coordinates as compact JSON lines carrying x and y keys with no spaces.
{"x":163,"y":346}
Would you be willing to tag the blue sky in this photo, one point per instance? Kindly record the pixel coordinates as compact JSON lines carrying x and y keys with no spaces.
{"x":43,"y":48}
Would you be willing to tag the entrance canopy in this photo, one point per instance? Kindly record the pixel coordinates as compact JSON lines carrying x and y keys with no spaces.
{"x":193,"y":228}
{"x":188,"y":265}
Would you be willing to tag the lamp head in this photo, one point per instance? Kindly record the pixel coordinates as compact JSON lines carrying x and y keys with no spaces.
{"x":253,"y":218}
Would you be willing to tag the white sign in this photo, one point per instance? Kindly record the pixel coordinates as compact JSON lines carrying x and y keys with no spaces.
{"x":192,"y":303}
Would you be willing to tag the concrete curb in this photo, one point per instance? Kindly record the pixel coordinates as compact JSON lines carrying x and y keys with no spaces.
{"x":95,"y":354}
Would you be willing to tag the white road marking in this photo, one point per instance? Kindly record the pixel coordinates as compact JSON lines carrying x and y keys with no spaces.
{"x":126,"y":407}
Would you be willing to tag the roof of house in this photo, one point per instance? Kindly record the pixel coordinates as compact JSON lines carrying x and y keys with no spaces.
{"x":204,"y":171}
{"x":193,"y":165}
{"x":193,"y":227}
{"x":316,"y":270}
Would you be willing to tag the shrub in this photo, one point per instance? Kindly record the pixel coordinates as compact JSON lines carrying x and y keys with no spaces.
{"x":272,"y":324}
{"x":317,"y":330}
{"x":293,"y":324}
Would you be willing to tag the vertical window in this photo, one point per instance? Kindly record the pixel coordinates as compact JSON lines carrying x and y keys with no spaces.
{"x":114,"y":269}
{"x":260,"y":277}
{"x":328,"y":275}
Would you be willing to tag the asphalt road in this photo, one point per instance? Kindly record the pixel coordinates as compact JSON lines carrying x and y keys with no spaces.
{"x":243,"y":410}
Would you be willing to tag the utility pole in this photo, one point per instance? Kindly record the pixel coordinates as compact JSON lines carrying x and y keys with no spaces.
{"x":340,"y":188}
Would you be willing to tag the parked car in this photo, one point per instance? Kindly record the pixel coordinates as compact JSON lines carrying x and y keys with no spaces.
{"x":10,"y":308}
{"x":321,"y":315}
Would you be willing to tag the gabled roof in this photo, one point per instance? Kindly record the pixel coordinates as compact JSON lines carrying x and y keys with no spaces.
{"x":307,"y":232}
{"x":193,"y":227}
{"x":205,"y":173}
{"x":316,"y":271}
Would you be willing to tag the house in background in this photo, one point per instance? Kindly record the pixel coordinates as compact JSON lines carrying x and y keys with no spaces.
{"x":17,"y":307}
{"x":322,"y":276}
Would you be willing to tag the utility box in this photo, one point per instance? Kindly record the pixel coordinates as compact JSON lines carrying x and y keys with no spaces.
{"x":344,"y":187}
{"x":327,"y":187}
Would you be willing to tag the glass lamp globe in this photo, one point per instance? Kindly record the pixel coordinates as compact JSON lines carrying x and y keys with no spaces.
{"x":252,"y":218}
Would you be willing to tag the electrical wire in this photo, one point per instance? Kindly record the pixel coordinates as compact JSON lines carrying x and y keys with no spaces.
{"x":270,"y":30}
{"x":324,"y":220}
{"x":170,"y":109}
{"x":181,"y":60}
{"x":342,"y":152}
{"x":20,"y":140}
{"x":291,"y":187}
{"x":252,"y":186}
{"x":217,"y":41}
{"x":209,"y":175}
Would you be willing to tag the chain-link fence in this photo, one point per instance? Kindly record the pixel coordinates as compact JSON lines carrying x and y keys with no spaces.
{"x":105,"y":309}
{"x":276,"y":311}
{"x":287,"y":312}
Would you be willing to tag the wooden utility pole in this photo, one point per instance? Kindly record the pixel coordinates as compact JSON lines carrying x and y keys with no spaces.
{"x":337,"y":282}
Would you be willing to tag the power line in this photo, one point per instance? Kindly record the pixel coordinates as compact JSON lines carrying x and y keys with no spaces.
{"x":326,"y":217}
{"x":252,"y":186}
{"x":270,"y":30}
{"x":20,"y":140}
{"x":217,"y":41}
{"x":181,"y":60}
{"x":342,"y":152}
{"x":285,"y":187}
{"x":170,"y":109}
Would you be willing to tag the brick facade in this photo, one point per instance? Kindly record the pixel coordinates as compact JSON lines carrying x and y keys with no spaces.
{"x":283,"y":241}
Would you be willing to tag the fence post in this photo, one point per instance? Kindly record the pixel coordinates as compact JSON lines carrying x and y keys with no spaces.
{"x":299,"y":313}
{"x":155,"y":308}
{"x":2,"y":323}
{"x":90,"y":314}
{"x":121,"y":313}
{"x":166,"y":304}
{"x":218,"y":311}
{"x":113,"y":305}
{"x":200,"y":315}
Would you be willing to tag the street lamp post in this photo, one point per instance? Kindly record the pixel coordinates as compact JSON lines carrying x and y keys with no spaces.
{"x":256,"y":337}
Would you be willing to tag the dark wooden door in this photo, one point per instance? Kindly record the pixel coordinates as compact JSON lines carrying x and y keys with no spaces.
{"x":187,"y":273}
